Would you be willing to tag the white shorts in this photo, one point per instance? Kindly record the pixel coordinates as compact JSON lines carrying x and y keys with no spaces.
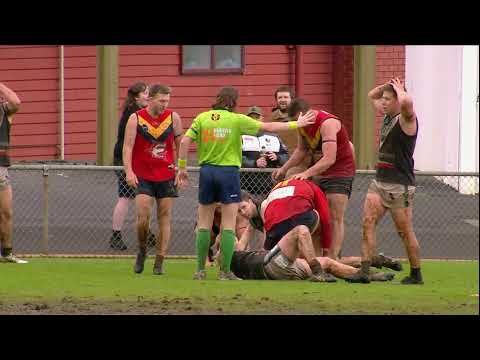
{"x":279,"y":267}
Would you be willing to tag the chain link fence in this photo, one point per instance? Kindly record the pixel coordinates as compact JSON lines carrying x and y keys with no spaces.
{"x":67,"y":209}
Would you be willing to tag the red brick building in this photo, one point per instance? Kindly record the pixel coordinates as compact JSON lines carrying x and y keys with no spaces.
{"x":34,"y":73}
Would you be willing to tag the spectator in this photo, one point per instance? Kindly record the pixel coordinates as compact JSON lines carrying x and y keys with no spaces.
{"x":264,"y":150}
{"x":283,"y":98}
{"x":137,"y":96}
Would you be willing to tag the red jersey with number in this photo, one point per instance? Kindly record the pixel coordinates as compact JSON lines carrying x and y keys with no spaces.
{"x":294,"y":197}
{"x":344,"y":165}
{"x":152,"y":155}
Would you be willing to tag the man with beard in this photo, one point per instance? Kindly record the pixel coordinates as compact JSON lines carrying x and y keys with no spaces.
{"x":283,"y":98}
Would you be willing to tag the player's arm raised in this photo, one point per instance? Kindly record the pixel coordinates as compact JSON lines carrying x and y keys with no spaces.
{"x":375,"y":95}
{"x":405,"y":100}
{"x":13,"y":101}
{"x":303,"y":120}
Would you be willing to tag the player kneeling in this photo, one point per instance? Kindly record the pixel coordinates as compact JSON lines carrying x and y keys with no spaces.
{"x":294,"y":211}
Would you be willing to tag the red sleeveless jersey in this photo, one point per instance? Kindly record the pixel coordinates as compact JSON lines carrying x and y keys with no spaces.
{"x":292,"y":197}
{"x":344,"y":165}
{"x":152,"y":155}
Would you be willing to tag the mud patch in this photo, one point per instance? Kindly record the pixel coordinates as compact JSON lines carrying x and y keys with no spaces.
{"x":237,"y":304}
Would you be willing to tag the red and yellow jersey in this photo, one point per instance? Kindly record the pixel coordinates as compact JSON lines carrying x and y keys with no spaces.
{"x":344,"y":165}
{"x":292,"y":197}
{"x":153,"y":155}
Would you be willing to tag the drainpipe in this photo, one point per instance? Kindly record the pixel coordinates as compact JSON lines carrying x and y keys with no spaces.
{"x":299,"y":71}
{"x":62,"y":104}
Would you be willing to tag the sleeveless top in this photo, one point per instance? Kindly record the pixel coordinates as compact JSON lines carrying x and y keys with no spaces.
{"x":395,"y":155}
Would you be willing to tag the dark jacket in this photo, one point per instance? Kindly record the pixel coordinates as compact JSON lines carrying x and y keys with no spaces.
{"x":249,"y":158}
{"x":122,"y":124}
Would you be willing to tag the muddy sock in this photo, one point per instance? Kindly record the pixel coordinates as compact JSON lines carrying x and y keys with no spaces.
{"x":377,"y":261}
{"x":159,"y":260}
{"x":365,"y":268}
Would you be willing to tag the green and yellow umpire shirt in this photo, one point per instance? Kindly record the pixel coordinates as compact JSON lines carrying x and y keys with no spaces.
{"x":218,"y":134}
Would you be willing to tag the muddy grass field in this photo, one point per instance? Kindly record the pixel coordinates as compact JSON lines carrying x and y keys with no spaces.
{"x":109,"y":286}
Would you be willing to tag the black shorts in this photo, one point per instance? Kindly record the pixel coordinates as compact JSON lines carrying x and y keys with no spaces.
{"x":309,"y":218}
{"x":335,"y":185}
{"x":249,"y":265}
{"x":157,"y":189}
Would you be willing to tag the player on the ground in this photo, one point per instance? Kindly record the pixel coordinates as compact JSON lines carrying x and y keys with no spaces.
{"x":293,"y":257}
{"x":218,"y":134}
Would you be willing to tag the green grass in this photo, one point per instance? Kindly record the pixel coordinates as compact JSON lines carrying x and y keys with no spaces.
{"x":101,"y":286}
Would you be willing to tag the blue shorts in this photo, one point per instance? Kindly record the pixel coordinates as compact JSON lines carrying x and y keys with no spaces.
{"x":219,"y":184}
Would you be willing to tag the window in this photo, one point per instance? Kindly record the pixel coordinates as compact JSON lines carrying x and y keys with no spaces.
{"x":212,"y":59}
